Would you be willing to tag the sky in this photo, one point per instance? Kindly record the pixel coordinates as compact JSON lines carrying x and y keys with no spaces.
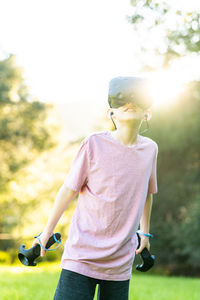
{"x":71,"y":49}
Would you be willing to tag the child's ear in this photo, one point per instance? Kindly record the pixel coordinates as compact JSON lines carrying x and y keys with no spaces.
{"x":149,"y":115}
{"x":109,"y":111}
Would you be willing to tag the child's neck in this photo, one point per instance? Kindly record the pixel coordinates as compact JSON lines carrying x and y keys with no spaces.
{"x":126,"y":136}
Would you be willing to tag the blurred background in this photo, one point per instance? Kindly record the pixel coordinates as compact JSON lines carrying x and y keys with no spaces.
{"x":56,"y":60}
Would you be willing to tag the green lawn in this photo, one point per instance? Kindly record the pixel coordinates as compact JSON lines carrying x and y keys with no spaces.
{"x":28,"y":283}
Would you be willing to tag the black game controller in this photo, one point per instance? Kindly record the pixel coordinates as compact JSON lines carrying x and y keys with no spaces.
{"x":27,"y":256}
{"x":148,"y":259}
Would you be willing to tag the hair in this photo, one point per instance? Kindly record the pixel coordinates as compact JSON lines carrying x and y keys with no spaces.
{"x":136,"y":90}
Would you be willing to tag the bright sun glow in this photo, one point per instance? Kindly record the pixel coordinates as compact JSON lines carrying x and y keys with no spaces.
{"x":166,"y":85}
{"x":73,"y":57}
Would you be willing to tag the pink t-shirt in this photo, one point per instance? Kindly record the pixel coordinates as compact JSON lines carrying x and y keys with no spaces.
{"x":113,"y":181}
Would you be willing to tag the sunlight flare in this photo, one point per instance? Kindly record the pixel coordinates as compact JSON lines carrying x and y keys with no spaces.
{"x":166,"y":85}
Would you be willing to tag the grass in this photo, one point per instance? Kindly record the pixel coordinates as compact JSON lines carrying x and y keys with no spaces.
{"x":28,"y":283}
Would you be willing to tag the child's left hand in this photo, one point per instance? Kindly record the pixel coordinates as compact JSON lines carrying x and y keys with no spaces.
{"x":144,"y":242}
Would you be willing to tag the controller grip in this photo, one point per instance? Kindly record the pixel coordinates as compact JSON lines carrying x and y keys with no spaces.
{"x":51,"y":240}
{"x":27,"y":256}
{"x":148,"y":259}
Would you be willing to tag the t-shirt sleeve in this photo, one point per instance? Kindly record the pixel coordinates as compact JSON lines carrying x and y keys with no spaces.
{"x":153,"y":187}
{"x":79,"y":170}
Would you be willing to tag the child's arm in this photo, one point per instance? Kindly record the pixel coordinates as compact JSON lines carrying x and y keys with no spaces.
{"x":63,"y":198}
{"x":145,"y":223}
{"x":146,"y":215}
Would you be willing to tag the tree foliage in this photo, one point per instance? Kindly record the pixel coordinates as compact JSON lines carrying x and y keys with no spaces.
{"x":176,"y":210}
{"x":24,"y":135}
{"x":171,"y":32}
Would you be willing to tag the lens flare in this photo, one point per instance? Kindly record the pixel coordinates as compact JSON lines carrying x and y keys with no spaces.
{"x":166,"y":86}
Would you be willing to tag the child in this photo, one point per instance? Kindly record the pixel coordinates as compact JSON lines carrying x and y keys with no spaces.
{"x":114,"y":173}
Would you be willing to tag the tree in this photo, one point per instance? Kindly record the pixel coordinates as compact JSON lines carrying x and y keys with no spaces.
{"x":167,"y":33}
{"x":24,"y":135}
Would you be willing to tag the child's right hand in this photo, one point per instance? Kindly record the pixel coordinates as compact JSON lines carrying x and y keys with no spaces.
{"x":44,"y":237}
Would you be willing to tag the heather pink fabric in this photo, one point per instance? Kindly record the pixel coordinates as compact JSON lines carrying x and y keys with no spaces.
{"x":113,"y":181}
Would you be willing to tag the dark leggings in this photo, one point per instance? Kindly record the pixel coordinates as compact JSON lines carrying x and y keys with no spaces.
{"x":75,"y":286}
